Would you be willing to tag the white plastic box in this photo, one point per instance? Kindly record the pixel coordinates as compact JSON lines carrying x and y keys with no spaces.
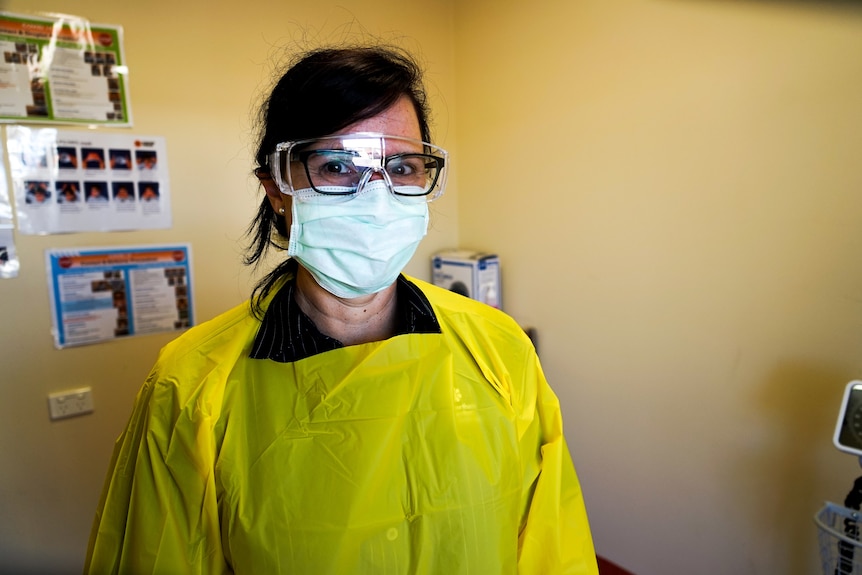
{"x":470,"y":273}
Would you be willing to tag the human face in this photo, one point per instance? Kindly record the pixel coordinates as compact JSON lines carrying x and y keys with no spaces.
{"x":400,"y":119}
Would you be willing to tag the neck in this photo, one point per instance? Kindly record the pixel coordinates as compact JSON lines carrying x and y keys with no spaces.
{"x":350,"y":321}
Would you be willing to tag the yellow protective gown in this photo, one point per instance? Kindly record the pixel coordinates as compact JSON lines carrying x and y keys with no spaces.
{"x":421,"y":454}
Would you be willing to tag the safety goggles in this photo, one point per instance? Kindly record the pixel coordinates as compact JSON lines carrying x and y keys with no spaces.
{"x":342,"y":165}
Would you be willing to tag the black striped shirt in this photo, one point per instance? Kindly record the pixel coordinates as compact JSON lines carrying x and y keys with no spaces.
{"x":287,"y":334}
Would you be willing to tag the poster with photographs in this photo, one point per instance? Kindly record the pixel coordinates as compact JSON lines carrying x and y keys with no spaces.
{"x":86,"y":181}
{"x":101,"y":294}
{"x":62,"y":69}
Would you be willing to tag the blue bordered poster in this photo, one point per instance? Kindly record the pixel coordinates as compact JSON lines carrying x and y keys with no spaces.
{"x":102,"y":294}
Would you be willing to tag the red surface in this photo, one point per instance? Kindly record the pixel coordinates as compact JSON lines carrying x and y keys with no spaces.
{"x":609,"y":568}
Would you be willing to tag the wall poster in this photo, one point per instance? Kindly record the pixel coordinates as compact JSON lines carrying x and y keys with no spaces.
{"x":101,"y":294}
{"x":84,"y":181}
{"x":62,"y":69}
{"x":8,"y":256}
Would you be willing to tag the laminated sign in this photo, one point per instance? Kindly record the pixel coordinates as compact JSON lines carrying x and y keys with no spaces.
{"x":100,"y":294}
{"x":62,"y":69}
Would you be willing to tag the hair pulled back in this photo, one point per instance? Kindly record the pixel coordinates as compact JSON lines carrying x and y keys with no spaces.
{"x":324,"y":91}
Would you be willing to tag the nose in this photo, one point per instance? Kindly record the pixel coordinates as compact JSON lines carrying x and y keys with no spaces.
{"x":376,"y":174}
{"x":372,"y":174}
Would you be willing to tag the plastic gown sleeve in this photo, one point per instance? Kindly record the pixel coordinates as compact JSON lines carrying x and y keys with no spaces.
{"x":555,"y":538}
{"x":145,"y":522}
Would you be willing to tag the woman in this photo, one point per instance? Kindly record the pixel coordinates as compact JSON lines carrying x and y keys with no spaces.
{"x":348,"y":420}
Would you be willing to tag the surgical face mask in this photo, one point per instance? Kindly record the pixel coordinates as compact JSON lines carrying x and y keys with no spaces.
{"x":357,"y":246}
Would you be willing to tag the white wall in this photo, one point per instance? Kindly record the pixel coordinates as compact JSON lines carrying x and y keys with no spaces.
{"x":197,"y":69}
{"x":674,"y":190}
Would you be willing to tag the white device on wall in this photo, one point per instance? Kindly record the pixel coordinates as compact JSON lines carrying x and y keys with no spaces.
{"x":470,"y":273}
{"x":848,"y":431}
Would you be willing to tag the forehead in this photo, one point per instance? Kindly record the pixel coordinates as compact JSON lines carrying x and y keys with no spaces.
{"x":400,"y":119}
{"x":362,"y":143}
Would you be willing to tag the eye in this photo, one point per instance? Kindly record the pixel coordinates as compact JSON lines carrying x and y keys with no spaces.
{"x":331,"y":163}
{"x":405,"y":165}
{"x":336,"y":167}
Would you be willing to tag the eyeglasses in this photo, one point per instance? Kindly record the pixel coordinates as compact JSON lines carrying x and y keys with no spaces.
{"x":342,"y":165}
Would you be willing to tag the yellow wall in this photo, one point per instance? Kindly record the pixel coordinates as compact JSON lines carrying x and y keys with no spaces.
{"x":672,"y":186}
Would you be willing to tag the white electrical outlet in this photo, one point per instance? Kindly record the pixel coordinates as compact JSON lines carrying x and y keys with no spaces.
{"x":70,"y":403}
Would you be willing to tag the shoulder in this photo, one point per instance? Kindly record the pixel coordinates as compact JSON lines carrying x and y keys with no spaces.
{"x":470,"y":318}
{"x":226,"y":329}
{"x":491,"y":341}
{"x":454,"y":305}
{"x":204,"y":354}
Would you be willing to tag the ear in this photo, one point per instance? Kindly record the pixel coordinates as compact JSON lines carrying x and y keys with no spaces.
{"x":280,"y":203}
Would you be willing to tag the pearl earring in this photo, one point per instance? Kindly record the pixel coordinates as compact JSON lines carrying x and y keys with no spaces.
{"x":281,"y":211}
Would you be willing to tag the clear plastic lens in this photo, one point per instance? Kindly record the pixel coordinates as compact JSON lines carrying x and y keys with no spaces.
{"x":341,"y":165}
{"x":331,"y":168}
{"x":420,"y":170}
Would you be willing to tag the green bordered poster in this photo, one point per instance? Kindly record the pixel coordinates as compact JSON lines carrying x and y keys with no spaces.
{"x":62,"y":69}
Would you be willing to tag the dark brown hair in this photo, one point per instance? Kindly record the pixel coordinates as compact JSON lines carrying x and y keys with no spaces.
{"x":324,"y":91}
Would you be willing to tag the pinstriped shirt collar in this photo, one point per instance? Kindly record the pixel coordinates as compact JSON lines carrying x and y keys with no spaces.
{"x":286,"y":334}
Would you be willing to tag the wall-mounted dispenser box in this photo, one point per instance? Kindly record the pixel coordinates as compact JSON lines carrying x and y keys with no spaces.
{"x":470,"y":273}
